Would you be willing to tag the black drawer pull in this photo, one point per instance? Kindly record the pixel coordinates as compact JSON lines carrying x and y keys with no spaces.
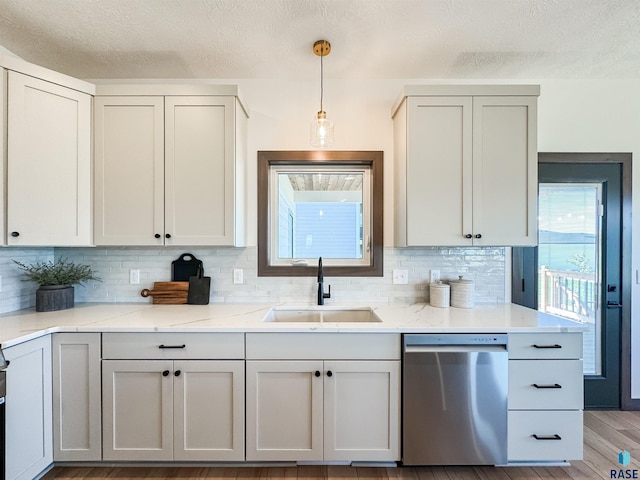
{"x":555,"y":436}
{"x":177,"y":373}
{"x":329,"y":373}
{"x":317,"y":374}
{"x":554,"y":385}
{"x":546,"y":346}
{"x":165,"y":373}
{"x":171,"y":346}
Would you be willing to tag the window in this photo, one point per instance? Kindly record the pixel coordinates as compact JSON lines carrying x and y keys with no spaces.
{"x":320,"y":204}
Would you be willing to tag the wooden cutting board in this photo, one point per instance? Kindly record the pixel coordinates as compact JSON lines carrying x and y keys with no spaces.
{"x":168,"y":293}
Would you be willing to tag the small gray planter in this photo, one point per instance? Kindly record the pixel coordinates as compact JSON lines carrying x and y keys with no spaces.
{"x":54,"y":297}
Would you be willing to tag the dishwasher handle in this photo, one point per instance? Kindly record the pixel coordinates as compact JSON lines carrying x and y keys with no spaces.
{"x":454,"y":348}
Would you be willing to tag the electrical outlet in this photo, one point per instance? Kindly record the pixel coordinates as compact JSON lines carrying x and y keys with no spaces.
{"x":134,"y":277}
{"x":238,"y":276}
{"x":434,"y":276}
{"x":400,"y":277}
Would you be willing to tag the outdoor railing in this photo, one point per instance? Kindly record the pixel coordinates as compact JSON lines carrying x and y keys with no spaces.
{"x":568,"y":294}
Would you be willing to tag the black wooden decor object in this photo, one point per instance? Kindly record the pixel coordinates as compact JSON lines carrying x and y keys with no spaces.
{"x":185,"y":267}
{"x":199,"y":288}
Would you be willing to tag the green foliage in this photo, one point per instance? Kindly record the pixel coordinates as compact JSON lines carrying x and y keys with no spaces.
{"x":581,"y":261}
{"x":60,"y":272}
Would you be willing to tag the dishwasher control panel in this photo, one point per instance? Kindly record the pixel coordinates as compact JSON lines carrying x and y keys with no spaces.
{"x":455,"y":339}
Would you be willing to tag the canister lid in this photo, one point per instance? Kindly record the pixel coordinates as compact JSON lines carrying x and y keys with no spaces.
{"x":439,"y":285}
{"x":461,"y":281}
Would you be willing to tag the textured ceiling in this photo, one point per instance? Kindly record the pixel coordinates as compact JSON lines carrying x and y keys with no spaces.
{"x":370,"y":38}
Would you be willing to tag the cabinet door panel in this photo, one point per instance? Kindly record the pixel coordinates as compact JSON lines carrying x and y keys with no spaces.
{"x":284,"y":410}
{"x":209,"y":410}
{"x":137,"y":410}
{"x":129,"y":170}
{"x":505,"y":170}
{"x":28,"y":409}
{"x":439,"y":171}
{"x":199,"y":183}
{"x":362,"y":410}
{"x":49,"y":163}
{"x":76,"y":397}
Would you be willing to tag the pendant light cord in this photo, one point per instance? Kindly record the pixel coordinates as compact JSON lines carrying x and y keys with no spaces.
{"x":321,"y":80}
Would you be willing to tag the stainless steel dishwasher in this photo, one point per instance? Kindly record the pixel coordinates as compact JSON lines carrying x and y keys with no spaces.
{"x":454,"y":403}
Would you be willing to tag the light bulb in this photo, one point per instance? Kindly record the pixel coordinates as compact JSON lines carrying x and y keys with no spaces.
{"x":321,"y":131}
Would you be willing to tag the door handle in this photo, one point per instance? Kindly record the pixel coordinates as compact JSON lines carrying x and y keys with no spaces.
{"x":611,"y":304}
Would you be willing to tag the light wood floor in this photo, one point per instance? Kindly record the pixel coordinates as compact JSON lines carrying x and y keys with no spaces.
{"x":605,"y":434}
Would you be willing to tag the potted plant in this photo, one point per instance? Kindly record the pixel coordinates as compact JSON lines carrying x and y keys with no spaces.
{"x":56,"y":280}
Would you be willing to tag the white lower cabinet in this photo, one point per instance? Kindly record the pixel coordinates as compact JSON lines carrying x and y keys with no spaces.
{"x":362,"y":410}
{"x":28,"y":446}
{"x":77,"y":425}
{"x":545,"y":435}
{"x":284,"y":410}
{"x":315,"y":409}
{"x":184,"y":410}
{"x":545,"y":397}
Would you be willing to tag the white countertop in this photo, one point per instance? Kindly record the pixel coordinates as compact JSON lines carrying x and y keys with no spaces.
{"x":24,"y":325}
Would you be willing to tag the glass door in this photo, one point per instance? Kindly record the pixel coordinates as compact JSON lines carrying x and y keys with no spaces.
{"x":569,"y":253}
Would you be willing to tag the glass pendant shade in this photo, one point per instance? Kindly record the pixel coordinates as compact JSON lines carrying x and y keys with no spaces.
{"x":321,"y":131}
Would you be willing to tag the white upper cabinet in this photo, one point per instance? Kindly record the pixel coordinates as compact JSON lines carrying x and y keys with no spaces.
{"x":48,"y":163}
{"x":466,"y":166}
{"x":169,"y":166}
{"x":3,"y":155}
{"x":129,"y":170}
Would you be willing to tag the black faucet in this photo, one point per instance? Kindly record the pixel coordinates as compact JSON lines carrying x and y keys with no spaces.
{"x":321,"y":294}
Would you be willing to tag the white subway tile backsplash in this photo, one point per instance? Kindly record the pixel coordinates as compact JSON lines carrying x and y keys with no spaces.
{"x":17,"y":292}
{"x":486,"y":266}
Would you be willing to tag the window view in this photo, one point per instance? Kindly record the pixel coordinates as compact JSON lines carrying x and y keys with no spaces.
{"x":569,"y":259}
{"x":320,"y":203}
{"x":320,"y":213}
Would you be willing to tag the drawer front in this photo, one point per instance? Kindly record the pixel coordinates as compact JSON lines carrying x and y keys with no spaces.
{"x":523,"y":425}
{"x":545,"y":385}
{"x":545,"y":345}
{"x":323,"y":346}
{"x":163,"y":346}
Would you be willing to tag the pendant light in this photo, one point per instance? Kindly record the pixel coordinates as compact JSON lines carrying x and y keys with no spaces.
{"x":321,"y":126}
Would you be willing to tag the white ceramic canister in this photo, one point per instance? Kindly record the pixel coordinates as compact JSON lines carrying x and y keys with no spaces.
{"x":461,"y":293}
{"x":439,"y":295}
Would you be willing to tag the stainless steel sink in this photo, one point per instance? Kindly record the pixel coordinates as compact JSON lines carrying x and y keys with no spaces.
{"x":321,"y":315}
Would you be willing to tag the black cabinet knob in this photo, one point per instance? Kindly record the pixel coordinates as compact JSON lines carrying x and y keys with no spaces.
{"x":177,"y":373}
{"x":468,"y":235}
{"x":157,"y":235}
{"x":168,"y":235}
{"x":329,"y":373}
{"x":478,"y":235}
{"x":317,"y":374}
{"x":15,"y":234}
{"x":165,"y":373}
